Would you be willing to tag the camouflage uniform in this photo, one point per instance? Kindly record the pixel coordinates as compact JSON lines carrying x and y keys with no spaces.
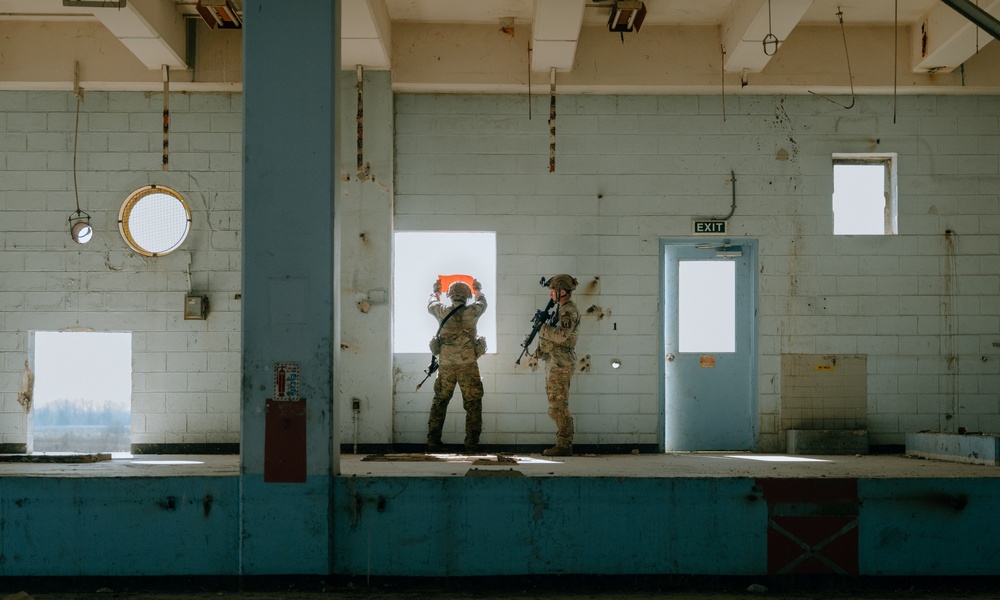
{"x":458,"y":365}
{"x":557,"y":347}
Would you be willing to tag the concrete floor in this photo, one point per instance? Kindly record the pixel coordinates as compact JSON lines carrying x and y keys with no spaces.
{"x":696,"y":464}
{"x":699,"y":464}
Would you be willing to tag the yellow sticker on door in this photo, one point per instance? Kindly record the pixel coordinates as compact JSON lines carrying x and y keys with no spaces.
{"x":707,"y":361}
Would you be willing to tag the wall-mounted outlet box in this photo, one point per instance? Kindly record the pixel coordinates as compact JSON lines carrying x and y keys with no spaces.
{"x":195,"y":307}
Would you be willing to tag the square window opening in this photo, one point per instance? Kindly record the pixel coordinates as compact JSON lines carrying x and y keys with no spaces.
{"x":82,"y":399}
{"x":864,"y":194}
{"x":419,"y":257}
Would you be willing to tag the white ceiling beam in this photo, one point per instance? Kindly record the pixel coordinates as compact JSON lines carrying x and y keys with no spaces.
{"x":365,"y":35}
{"x":943,"y":39}
{"x":749,"y":22}
{"x":152,"y":29}
{"x":555,"y":34}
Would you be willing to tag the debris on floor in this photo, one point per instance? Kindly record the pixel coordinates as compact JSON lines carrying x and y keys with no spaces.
{"x":476,"y":459}
{"x":56,"y":457}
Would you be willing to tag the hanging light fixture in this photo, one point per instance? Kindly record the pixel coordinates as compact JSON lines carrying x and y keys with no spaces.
{"x":770,"y":41}
{"x":79,"y":227}
{"x":79,"y":222}
{"x":626,"y":16}
{"x":219,"y":14}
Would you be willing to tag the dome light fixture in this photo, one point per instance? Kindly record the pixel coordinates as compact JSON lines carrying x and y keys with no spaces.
{"x":79,"y":227}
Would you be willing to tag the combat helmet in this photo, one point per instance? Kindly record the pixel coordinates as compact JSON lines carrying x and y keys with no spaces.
{"x":563,"y":282}
{"x":459,"y":290}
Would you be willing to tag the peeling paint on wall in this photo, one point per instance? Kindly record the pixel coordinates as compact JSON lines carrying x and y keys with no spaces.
{"x":27,"y":387}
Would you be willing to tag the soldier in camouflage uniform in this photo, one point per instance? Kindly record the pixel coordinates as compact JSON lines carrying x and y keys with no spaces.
{"x":557,"y":347}
{"x":458,"y":362}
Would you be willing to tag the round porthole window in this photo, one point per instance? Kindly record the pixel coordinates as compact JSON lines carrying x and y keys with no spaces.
{"x":154,"y":220}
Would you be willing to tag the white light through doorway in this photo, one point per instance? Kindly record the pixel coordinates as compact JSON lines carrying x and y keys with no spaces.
{"x":83,"y":391}
{"x":418,"y":258}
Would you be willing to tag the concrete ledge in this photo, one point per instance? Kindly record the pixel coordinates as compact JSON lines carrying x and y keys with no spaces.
{"x":974,"y":448}
{"x":827,"y":441}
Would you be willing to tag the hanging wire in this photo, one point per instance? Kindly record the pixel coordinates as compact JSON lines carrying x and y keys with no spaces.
{"x":850,"y":74}
{"x":76,"y":135}
{"x":79,"y":222}
{"x":770,"y":39}
{"x":723,"y":82}
{"x":529,"y":82}
{"x":895,"y":57}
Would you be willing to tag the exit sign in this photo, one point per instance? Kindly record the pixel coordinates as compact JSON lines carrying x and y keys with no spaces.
{"x":709,"y":227}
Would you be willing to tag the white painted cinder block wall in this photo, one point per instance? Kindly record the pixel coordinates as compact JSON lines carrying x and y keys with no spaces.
{"x":186,"y":373}
{"x":630,"y":170}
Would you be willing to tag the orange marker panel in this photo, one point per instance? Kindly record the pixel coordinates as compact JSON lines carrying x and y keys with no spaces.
{"x":447,"y":280}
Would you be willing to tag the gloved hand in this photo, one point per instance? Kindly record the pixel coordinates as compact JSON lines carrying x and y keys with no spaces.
{"x":437,"y":286}
{"x":476,"y":285}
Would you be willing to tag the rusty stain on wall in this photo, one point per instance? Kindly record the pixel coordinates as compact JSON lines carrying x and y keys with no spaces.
{"x":27,"y":387}
{"x":597,"y":311}
{"x":538,"y":504}
{"x":949,"y":312}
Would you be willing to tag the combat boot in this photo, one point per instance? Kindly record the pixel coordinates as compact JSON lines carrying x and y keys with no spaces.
{"x":435,"y":446}
{"x":559,"y":451}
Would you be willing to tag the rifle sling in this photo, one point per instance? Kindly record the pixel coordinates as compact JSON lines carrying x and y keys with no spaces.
{"x":448,"y":316}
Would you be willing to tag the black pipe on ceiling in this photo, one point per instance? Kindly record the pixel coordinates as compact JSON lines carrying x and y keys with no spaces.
{"x":978,"y":16}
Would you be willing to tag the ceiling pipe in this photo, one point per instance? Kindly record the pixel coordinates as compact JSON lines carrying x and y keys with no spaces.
{"x":978,"y":16}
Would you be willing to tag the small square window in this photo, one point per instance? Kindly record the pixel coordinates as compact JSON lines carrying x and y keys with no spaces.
{"x":419,"y":257}
{"x":83,"y":391}
{"x":864,"y":194}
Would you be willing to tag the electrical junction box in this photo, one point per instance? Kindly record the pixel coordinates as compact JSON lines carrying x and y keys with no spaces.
{"x":195,"y":307}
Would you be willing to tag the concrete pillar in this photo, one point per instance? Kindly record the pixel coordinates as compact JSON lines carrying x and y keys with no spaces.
{"x":290,"y":273}
{"x":365,"y":217}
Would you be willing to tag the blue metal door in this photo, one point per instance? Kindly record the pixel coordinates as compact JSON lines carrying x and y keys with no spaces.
{"x":709,"y":360}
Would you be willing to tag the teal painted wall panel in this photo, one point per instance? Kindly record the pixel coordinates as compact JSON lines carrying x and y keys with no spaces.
{"x":286,"y":525}
{"x":929,"y":527}
{"x":118,"y":526}
{"x":510,"y":525}
{"x":468,"y":526}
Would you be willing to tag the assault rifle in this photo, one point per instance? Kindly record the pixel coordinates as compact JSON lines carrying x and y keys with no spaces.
{"x":434,"y":359}
{"x":430,"y":369}
{"x":542,"y":316}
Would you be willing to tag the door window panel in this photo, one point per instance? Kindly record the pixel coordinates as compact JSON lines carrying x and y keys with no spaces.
{"x":706,"y":306}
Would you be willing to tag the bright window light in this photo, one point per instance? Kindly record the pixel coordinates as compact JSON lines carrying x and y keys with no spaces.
{"x":864,"y":194}
{"x":418,"y":258}
{"x":775,"y":458}
{"x":167,"y":463}
{"x":83,"y":391}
